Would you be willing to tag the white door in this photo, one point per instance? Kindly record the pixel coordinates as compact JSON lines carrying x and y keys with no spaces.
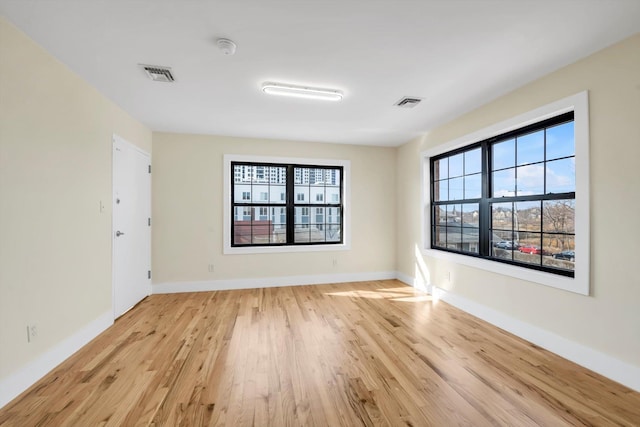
{"x":131,"y":225}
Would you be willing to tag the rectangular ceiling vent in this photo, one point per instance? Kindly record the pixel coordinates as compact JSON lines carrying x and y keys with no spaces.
{"x":408,"y":102}
{"x":158,"y":73}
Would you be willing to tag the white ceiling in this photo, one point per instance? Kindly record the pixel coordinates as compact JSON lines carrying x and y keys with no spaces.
{"x":456,"y":54}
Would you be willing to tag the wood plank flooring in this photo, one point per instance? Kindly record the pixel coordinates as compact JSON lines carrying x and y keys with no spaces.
{"x":349,"y":354}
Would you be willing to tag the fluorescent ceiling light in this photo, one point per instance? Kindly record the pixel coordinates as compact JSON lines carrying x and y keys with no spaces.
{"x":301,"y":91}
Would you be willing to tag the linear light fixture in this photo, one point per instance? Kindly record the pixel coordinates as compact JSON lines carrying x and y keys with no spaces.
{"x":301,"y":91}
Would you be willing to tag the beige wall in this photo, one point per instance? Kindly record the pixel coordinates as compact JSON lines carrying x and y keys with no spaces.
{"x":187,"y":210}
{"x":609,"y":320}
{"x":55,"y":168}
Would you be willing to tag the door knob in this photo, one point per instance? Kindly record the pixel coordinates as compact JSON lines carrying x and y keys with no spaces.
{"x":119,"y":233}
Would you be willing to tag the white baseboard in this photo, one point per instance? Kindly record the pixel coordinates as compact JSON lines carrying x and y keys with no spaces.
{"x":28,"y":374}
{"x":608,"y":366}
{"x":270,"y":282}
{"x":412,"y":281}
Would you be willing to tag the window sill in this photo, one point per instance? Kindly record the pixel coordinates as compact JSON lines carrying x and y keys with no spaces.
{"x":578,"y":284}
{"x":284,"y":249}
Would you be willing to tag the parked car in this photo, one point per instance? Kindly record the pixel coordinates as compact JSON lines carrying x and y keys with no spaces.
{"x":507,"y":244}
{"x":567,"y":255}
{"x":532,"y":249}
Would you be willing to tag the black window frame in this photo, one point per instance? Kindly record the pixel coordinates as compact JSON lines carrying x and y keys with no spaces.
{"x":486,"y":199}
{"x":290,"y":204}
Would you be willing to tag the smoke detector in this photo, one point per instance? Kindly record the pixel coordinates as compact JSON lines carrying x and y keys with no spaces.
{"x":158,"y":73}
{"x":408,"y":102}
{"x":228,"y":47}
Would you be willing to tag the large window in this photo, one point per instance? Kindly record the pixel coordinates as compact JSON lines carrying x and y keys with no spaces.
{"x":278,"y":204}
{"x":525,"y":212}
{"x":514,"y":199}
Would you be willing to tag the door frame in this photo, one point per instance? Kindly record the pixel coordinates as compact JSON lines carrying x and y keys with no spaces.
{"x":118,"y":139}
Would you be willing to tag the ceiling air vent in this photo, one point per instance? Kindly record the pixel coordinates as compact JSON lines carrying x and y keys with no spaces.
{"x":408,"y":102}
{"x":158,"y":73}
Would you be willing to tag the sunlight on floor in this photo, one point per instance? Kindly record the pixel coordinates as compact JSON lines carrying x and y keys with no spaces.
{"x":401,"y":294}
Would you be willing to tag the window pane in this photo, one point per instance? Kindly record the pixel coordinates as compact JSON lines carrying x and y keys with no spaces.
{"x":333,"y":215}
{"x":502,"y":216}
{"x":241,"y":234}
{"x":278,"y":175}
{"x":499,"y":238}
{"x":241,"y":213}
{"x":504,"y":183}
{"x":302,"y":194}
{"x":261,"y":232}
{"x":473,"y":186}
{"x":528,"y":254}
{"x":301,"y":216}
{"x":440,"y":236}
{"x":503,"y":244}
{"x":456,"y":165}
{"x":301,"y":175}
{"x":316,"y":195}
{"x":453,"y":215}
{"x":333,"y":233}
{"x":259,"y":193}
{"x":529,"y":250}
{"x":332,"y":194}
{"x":440,"y":215}
{"x":503,"y":154}
{"x":261,"y":214}
{"x":277,"y":194}
{"x":530,"y":148}
{"x":278,"y":216}
{"x":528,"y":216}
{"x":454,"y":238}
{"x":279,"y":234}
{"x":561,"y":176}
{"x":318,"y":176}
{"x":334,"y":175}
{"x":560,"y":141}
{"x":242,"y":193}
{"x":455,"y":188}
{"x":530,"y":180}
{"x":470,"y":215}
{"x":472,"y":161}
{"x":561,"y":250}
{"x":317,"y":233}
{"x":302,"y":234}
{"x":559,"y":216}
{"x":318,"y":216}
{"x":470,"y":239}
{"x":441,"y":190}
{"x":441,"y":169}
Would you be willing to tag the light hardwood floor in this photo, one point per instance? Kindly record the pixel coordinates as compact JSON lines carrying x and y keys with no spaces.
{"x":350,"y":354}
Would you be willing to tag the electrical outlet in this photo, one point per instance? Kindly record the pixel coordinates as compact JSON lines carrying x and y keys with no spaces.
{"x":335,"y":262}
{"x":32,"y":333}
{"x":211,"y":270}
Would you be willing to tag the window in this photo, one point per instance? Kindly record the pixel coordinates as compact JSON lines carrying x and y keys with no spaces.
{"x":273,"y":216}
{"x":529,"y":197}
{"x":515,"y":199}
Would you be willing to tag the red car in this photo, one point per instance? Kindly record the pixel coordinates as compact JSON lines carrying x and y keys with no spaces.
{"x":531,"y":249}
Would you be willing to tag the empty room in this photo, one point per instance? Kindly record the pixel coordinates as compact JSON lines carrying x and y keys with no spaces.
{"x":319,"y":213}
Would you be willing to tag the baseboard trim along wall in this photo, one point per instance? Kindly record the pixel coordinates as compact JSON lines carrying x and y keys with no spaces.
{"x":603,"y":364}
{"x":26,"y":376}
{"x":269,"y":282}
